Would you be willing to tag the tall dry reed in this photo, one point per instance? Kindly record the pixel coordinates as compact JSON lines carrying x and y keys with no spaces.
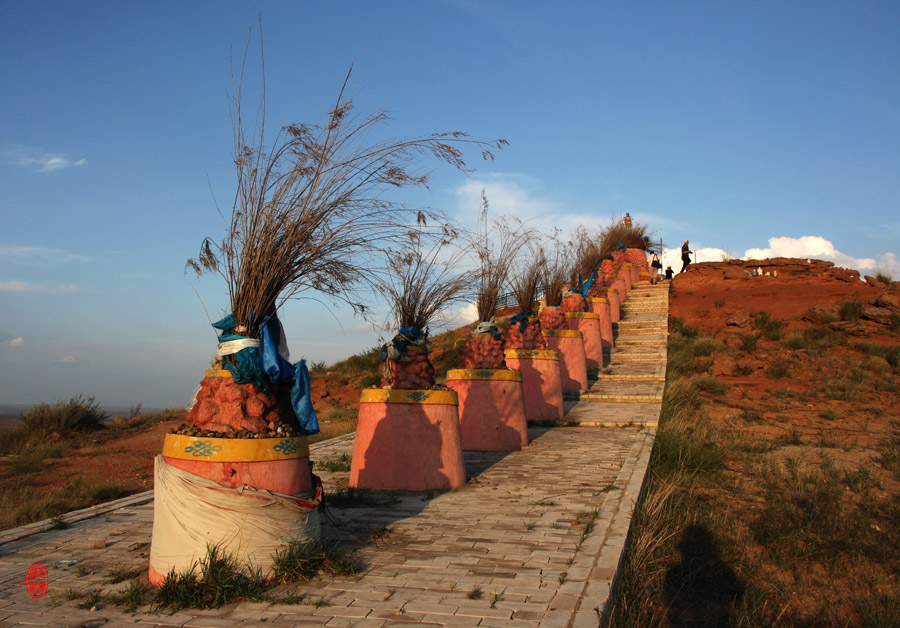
{"x":423,"y":276}
{"x":496,"y":245}
{"x":310,"y":211}
{"x":555,"y":263}
{"x":526,"y":277}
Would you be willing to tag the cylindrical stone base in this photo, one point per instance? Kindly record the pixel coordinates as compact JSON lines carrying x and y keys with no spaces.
{"x":541,"y":382}
{"x":572,"y":361}
{"x":491,"y":408}
{"x":620,"y":285}
{"x":588,"y":324}
{"x":407,"y":440}
{"x":280,"y":465}
{"x":601,"y":306}
{"x":615,"y":313}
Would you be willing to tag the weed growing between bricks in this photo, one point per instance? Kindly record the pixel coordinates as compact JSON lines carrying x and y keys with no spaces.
{"x":730,"y":531}
{"x":218,"y":579}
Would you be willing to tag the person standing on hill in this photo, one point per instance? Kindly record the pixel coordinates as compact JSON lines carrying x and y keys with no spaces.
{"x":685,"y":256}
{"x":627,"y":220}
{"x":669,"y":272}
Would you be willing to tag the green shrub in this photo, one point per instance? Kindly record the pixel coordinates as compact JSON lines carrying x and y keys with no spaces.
{"x":104,"y":493}
{"x":778,"y":368}
{"x":709,"y":384}
{"x":341,"y":463}
{"x":31,"y":460}
{"x":688,"y":445}
{"x":221,"y":580}
{"x":891,"y":353}
{"x":303,"y":561}
{"x":771,"y":328}
{"x":704,"y":346}
{"x":78,"y":414}
{"x":850,"y":310}
{"x":679,"y":327}
{"x":748,"y":342}
{"x":797,"y":341}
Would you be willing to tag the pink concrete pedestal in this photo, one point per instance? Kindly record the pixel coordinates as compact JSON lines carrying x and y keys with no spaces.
{"x":600,"y":306}
{"x":620,"y":285}
{"x":541,"y":382}
{"x":625,"y":275}
{"x":588,"y":324}
{"x":638,"y":257}
{"x":407,"y":440}
{"x":635,"y":275}
{"x":280,"y":465}
{"x":572,"y":362}
{"x":491,"y":408}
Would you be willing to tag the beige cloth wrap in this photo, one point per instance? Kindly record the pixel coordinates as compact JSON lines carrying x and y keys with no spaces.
{"x":191,"y":512}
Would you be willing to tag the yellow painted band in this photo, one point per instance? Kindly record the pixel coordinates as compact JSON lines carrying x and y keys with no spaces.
{"x":218,"y":373}
{"x":535,"y":354}
{"x":563,"y":333}
{"x":598,"y":300}
{"x":235,"y":449}
{"x":402,"y":395}
{"x":508,"y":375}
{"x":550,"y":307}
{"x":581,"y":315}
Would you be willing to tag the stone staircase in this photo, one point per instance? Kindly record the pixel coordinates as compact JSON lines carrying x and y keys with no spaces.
{"x":629,"y":389}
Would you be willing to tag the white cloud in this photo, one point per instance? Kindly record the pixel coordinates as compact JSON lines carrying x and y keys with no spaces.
{"x":38,"y":255}
{"x":805,"y":247}
{"x":37,"y":161}
{"x":14,"y":285}
{"x":69,"y":359}
{"x":521,"y":197}
{"x":16,"y":342}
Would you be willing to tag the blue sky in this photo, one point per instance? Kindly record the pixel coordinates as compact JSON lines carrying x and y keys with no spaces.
{"x":765,"y":126}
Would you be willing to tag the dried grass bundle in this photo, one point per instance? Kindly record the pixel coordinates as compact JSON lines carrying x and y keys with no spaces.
{"x":555,"y":264}
{"x":526,"y":279}
{"x":584,"y":256}
{"x":496,"y":246}
{"x":309,"y":212}
{"x":422,"y":277}
{"x":634,"y":237}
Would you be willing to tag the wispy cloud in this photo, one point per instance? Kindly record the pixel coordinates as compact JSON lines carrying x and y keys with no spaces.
{"x":38,"y":255}
{"x":36,"y":160}
{"x":6,"y":339}
{"x":526,"y":198}
{"x":15,"y":285}
{"x":69,"y":359}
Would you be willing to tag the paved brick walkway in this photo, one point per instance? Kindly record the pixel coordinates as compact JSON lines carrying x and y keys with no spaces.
{"x":534,"y":539}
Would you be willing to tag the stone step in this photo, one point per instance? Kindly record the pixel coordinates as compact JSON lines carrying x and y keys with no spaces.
{"x":649,"y":377}
{"x":648,"y":340}
{"x":615,"y":414}
{"x":637,"y":357}
{"x":603,"y":390}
